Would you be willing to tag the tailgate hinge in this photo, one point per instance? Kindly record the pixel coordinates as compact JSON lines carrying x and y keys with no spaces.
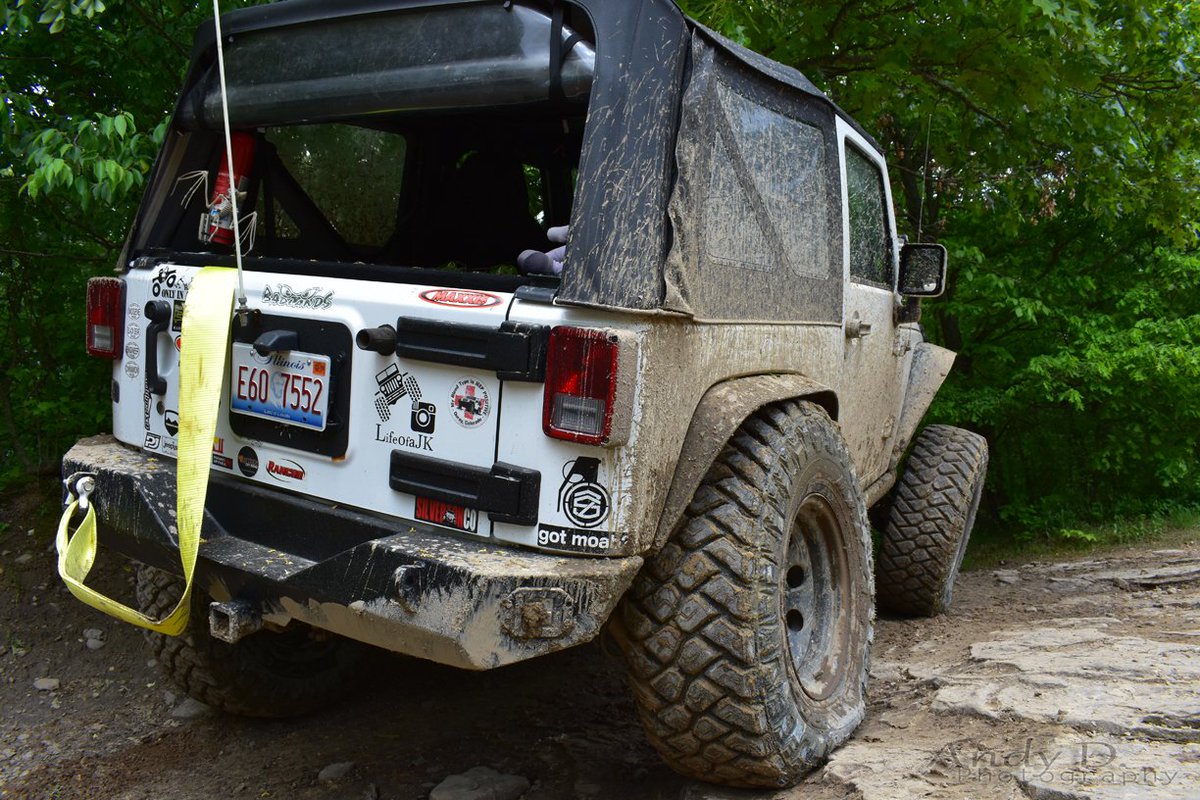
{"x":516,"y":351}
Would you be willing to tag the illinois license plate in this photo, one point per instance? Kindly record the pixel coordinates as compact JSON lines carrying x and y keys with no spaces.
{"x":289,"y":387}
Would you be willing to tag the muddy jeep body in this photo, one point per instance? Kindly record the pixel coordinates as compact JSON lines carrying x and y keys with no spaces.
{"x":732,"y":246}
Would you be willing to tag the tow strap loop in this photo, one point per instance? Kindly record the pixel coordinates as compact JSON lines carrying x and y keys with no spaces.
{"x":205,"y":341}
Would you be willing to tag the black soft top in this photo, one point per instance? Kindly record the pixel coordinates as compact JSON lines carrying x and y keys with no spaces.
{"x":617,"y":12}
{"x":620,"y":233}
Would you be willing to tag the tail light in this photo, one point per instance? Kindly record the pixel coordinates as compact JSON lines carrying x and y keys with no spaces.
{"x":581,"y":382}
{"x":105,"y":316}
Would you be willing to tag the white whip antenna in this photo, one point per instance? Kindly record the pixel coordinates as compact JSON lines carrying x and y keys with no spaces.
{"x":924,"y":182}
{"x":233,"y":189}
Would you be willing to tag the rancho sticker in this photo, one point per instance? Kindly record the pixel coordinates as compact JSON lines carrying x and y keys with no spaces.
{"x":459,"y":298}
{"x":285,"y":470}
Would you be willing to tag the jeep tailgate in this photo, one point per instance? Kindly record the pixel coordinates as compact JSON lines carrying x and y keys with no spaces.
{"x":410,"y":433}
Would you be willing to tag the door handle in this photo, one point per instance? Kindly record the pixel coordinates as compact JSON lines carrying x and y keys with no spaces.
{"x":857,"y":329}
{"x":158,"y":312}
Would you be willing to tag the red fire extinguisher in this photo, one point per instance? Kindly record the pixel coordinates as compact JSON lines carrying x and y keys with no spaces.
{"x":217,"y":227}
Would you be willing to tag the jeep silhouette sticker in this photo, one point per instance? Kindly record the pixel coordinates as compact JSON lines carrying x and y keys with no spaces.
{"x":580,"y":497}
{"x":395,"y":385}
{"x":469,"y":403}
{"x":170,"y":284}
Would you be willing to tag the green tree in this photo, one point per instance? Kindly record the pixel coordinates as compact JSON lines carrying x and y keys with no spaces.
{"x":87,"y":90}
{"x":1054,"y":147}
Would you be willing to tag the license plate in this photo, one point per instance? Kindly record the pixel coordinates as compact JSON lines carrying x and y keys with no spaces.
{"x":288,"y":387}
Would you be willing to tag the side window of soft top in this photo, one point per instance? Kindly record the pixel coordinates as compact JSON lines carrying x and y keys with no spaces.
{"x":870,"y":254}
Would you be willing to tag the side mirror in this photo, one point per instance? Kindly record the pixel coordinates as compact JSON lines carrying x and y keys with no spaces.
{"x":922,"y":270}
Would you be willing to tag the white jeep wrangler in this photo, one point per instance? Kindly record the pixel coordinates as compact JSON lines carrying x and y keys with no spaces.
{"x":422,"y":449}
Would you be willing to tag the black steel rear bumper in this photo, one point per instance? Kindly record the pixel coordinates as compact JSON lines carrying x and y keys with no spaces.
{"x":403,"y":586}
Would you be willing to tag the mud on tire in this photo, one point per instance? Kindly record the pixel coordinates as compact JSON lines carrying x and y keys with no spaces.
{"x":929,"y":522}
{"x":747,"y":637}
{"x":266,"y":674}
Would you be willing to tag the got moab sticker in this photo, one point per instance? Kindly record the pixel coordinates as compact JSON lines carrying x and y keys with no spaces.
{"x":575,"y":541}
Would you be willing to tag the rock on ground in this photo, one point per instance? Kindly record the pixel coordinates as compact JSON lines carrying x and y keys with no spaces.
{"x":1108,"y":768}
{"x":335,"y":772}
{"x":1076,"y":672}
{"x":190,"y":708}
{"x":480,"y":783}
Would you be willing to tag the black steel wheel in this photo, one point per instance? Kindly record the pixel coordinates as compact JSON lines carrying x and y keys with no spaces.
{"x":748,"y":636}
{"x":929,"y":521}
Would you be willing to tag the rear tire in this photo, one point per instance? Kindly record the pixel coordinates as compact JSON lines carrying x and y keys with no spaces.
{"x":267,"y":674}
{"x":929,"y":522}
{"x":747,"y":637}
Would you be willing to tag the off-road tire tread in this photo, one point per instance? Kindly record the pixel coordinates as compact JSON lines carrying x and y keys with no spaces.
{"x":208,"y":670}
{"x":930,"y":509}
{"x":698,"y":662}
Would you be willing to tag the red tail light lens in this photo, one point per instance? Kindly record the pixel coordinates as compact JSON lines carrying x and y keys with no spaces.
{"x":581,"y":382}
{"x":105,"y":317}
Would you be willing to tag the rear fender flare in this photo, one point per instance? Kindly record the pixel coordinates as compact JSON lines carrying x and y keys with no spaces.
{"x":722,"y":409}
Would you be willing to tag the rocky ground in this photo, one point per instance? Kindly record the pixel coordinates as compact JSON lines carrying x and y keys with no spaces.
{"x":1048,"y":681}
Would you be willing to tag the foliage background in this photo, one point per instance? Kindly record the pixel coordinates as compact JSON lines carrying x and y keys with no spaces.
{"x":1052,"y":145}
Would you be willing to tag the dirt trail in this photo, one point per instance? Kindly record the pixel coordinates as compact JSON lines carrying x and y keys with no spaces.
{"x":1048,"y":681}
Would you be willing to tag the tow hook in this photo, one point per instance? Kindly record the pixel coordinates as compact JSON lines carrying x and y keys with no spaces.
{"x":80,"y":486}
{"x":233,"y":620}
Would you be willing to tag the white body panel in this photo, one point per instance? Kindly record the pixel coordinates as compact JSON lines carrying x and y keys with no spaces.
{"x":581,"y":496}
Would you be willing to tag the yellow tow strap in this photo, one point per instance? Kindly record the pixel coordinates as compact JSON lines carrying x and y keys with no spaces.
{"x":205,"y":335}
